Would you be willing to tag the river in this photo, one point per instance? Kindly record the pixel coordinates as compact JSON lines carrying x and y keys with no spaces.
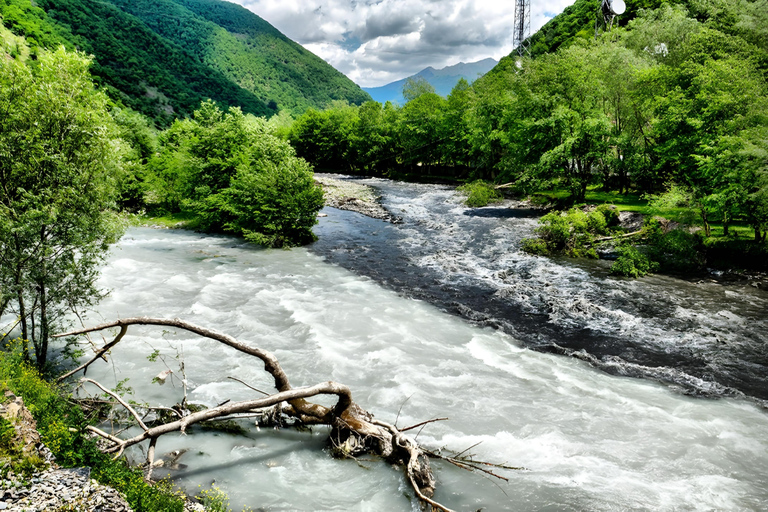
{"x":443,"y":316}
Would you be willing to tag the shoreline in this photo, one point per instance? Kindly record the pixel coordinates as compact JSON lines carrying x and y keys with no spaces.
{"x":346,"y":195}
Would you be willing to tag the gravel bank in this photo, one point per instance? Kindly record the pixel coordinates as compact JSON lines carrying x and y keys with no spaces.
{"x":348,"y":195}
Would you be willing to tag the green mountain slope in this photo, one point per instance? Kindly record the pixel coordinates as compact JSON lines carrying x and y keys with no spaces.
{"x":136,"y":66}
{"x":248,"y":51}
{"x":162,"y":58}
{"x":747,"y":19}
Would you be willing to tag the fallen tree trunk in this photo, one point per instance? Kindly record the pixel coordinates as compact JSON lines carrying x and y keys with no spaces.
{"x":354,"y":431}
{"x":619,"y":237}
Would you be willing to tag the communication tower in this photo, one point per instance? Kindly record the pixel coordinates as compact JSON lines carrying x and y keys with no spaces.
{"x":522,"y":24}
{"x":608,"y":10}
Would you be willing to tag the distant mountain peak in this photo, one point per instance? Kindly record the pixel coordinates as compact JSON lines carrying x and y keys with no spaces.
{"x":443,"y":80}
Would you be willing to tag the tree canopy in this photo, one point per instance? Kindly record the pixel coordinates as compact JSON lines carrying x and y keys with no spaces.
{"x":59,"y":160}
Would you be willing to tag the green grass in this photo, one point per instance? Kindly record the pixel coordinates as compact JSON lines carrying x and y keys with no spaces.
{"x":61,"y":425}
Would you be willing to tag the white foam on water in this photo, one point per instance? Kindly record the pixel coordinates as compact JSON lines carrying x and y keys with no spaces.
{"x":589,"y":441}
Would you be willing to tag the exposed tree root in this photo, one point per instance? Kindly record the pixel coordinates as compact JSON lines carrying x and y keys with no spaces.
{"x":354,"y":431}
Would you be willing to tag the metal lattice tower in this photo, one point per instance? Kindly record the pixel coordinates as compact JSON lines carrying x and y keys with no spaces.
{"x":522,"y":29}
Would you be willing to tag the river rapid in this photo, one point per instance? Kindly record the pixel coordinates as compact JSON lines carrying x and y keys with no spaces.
{"x":443,"y":316}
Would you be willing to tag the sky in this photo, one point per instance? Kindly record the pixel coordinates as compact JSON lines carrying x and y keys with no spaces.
{"x":375,"y":42}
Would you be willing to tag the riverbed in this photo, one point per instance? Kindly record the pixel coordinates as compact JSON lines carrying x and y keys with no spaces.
{"x":443,"y":316}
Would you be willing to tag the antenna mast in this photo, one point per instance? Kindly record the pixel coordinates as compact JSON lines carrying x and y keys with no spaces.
{"x":608,"y":10}
{"x":522,"y":27}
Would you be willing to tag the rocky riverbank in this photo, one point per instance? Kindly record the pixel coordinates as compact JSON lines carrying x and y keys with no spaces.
{"x":50,"y":487}
{"x":345,"y":194}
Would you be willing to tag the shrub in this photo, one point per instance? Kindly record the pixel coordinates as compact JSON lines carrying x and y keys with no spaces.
{"x":570,"y":233}
{"x":274,"y":204}
{"x":535,"y":246}
{"x":676,"y":249}
{"x":480,"y":193}
{"x":632,"y":263}
{"x":610,"y":213}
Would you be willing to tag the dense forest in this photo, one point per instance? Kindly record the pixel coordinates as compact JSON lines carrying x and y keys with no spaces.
{"x":164,"y":59}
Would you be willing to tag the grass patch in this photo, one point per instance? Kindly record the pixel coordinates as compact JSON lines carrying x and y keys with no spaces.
{"x":61,"y":425}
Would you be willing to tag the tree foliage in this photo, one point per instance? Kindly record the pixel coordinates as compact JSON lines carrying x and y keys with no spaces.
{"x":59,"y":160}
{"x":229,"y":170}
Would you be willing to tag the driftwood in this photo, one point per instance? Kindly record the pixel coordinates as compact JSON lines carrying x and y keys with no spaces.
{"x":354,"y":431}
{"x":619,"y":237}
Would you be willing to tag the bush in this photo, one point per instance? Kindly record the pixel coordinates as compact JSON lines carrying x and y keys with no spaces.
{"x":570,"y":233}
{"x":632,"y":263}
{"x":610,"y":213}
{"x":274,"y":204}
{"x":480,"y":193}
{"x":535,"y":246}
{"x":235,"y":176}
{"x":676,"y":249}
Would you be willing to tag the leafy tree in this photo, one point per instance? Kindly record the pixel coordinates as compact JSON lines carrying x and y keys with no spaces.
{"x":58,"y":161}
{"x":237,"y":177}
{"x":559,"y":122}
{"x":419,"y":130}
{"x":274,"y":203}
{"x":324,"y":137}
{"x":374,"y":138}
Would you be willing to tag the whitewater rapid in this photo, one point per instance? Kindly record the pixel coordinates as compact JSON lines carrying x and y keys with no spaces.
{"x":408,"y":317}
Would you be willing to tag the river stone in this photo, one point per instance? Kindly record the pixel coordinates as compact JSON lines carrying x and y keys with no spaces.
{"x":54,"y":488}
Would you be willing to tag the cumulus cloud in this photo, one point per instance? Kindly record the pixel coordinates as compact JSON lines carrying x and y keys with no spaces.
{"x":375,"y":42}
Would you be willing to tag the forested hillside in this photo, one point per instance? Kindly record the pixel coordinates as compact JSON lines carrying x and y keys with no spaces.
{"x":173,"y":56}
{"x":670,"y":106}
{"x":248,"y":51}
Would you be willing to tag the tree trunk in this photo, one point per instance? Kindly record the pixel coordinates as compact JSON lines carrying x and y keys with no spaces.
{"x":41,"y":342}
{"x":23,"y":320}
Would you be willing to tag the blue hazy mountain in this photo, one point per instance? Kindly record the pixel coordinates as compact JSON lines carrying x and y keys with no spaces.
{"x":443,"y":80}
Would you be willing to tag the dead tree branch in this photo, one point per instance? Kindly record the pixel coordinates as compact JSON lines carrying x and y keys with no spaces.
{"x":354,"y":431}
{"x":122,"y":402}
{"x":422,"y":424}
{"x":619,"y":237}
{"x":100,"y":353}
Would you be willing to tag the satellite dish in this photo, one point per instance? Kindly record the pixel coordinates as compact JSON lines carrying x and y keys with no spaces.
{"x":617,"y":7}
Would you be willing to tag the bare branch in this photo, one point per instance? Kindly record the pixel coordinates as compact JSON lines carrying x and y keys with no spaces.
{"x":122,"y":402}
{"x":103,"y":434}
{"x":422,"y":423}
{"x":401,"y":408}
{"x":465,"y":451}
{"x":325,"y":388}
{"x":100,"y":353}
{"x":249,"y":386}
{"x":150,"y":458}
{"x":271,"y":364}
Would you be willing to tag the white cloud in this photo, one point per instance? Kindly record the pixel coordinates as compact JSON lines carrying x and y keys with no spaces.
{"x":375,"y":42}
